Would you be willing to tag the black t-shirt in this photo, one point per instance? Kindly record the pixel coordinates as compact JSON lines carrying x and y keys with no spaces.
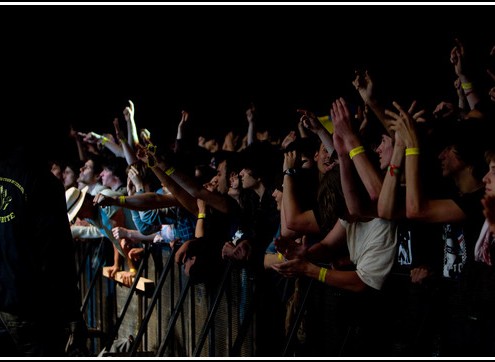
{"x":37,"y":261}
{"x":460,"y":238}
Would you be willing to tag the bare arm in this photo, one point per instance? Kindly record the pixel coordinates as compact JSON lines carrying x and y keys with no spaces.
{"x":129,"y":154}
{"x":388,"y":207}
{"x":80,"y":148}
{"x":364,"y":85}
{"x":141,"y":202}
{"x":131,"y":126}
{"x":251,"y":133}
{"x":296,"y":219}
{"x":369,"y":176}
{"x":457,"y":58}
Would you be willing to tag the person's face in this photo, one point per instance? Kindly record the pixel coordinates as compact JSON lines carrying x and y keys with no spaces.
{"x":277,"y":195}
{"x":489,"y":180}
{"x":86,"y":174}
{"x":323,"y":160}
{"x":307,"y":162}
{"x":69,"y":177}
{"x":57,"y":171}
{"x":234,"y":184}
{"x":107,"y":177}
{"x":211,"y":145}
{"x":247,"y":179}
{"x":223,"y":186}
{"x":384,"y":151}
{"x":450,"y":162}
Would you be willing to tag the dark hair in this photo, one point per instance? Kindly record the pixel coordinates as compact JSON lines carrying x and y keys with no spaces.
{"x":263,"y":159}
{"x":97,"y":163}
{"x":331,"y":202}
{"x":489,"y":155}
{"x":117,"y":166}
{"x":74,"y":165}
{"x":469,"y":140}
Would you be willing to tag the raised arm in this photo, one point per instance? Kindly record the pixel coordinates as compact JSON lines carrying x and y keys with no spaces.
{"x":95,"y":138}
{"x":129,"y":154}
{"x":81,"y":151}
{"x":185,"y":182}
{"x":364,"y":85}
{"x":296,"y":219}
{"x":388,"y":206}
{"x":179,"y":139}
{"x":131,"y":126}
{"x":311,"y":122}
{"x":351,"y":151}
{"x":417,"y":206}
{"x":251,"y":133}
{"x":457,"y":58}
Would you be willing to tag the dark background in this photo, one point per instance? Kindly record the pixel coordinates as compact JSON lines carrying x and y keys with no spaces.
{"x":80,"y":64}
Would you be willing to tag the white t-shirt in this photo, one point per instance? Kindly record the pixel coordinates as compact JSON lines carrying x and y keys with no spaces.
{"x":371,"y":247}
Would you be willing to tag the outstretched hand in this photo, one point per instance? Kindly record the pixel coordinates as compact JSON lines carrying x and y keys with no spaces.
{"x":129,"y":112}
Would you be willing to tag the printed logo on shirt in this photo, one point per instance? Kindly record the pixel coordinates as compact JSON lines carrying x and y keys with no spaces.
{"x":5,"y":200}
{"x":238,"y":235}
{"x":404,"y":256}
{"x":455,"y":254}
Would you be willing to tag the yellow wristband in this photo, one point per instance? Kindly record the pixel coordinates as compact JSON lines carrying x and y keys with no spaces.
{"x":170,"y":171}
{"x":412,"y":151}
{"x":280,"y":257}
{"x":103,"y":141}
{"x":122,"y":200}
{"x":467,"y":86}
{"x":323,"y":274}
{"x":132,"y":270}
{"x":356,"y":151}
{"x":201,"y":215}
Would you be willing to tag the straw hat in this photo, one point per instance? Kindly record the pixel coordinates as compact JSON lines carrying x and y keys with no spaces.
{"x":74,"y":199}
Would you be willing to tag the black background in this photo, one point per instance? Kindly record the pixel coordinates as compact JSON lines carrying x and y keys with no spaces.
{"x":79,"y":64}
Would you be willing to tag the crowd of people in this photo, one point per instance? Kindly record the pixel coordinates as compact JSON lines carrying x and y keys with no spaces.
{"x":389,"y":206}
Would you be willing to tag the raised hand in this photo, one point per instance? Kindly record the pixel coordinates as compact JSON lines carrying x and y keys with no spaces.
{"x":129,"y":112}
{"x":404,"y":124}
{"x":364,"y":85}
{"x":457,"y":57}
{"x":291,"y":160}
{"x":184,"y":118}
{"x":147,"y":154}
{"x":145,"y":136}
{"x":417,"y":116}
{"x":310,"y":121}
{"x":91,"y":137}
{"x":341,"y":117}
{"x":250,"y":113}
{"x":444,"y":110}
{"x":291,"y":137}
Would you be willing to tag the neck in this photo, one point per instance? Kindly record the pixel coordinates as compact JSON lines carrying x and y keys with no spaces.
{"x":260,"y":190}
{"x":466,"y":182}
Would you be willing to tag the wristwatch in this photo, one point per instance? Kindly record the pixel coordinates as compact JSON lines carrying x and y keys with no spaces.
{"x":291,"y":171}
